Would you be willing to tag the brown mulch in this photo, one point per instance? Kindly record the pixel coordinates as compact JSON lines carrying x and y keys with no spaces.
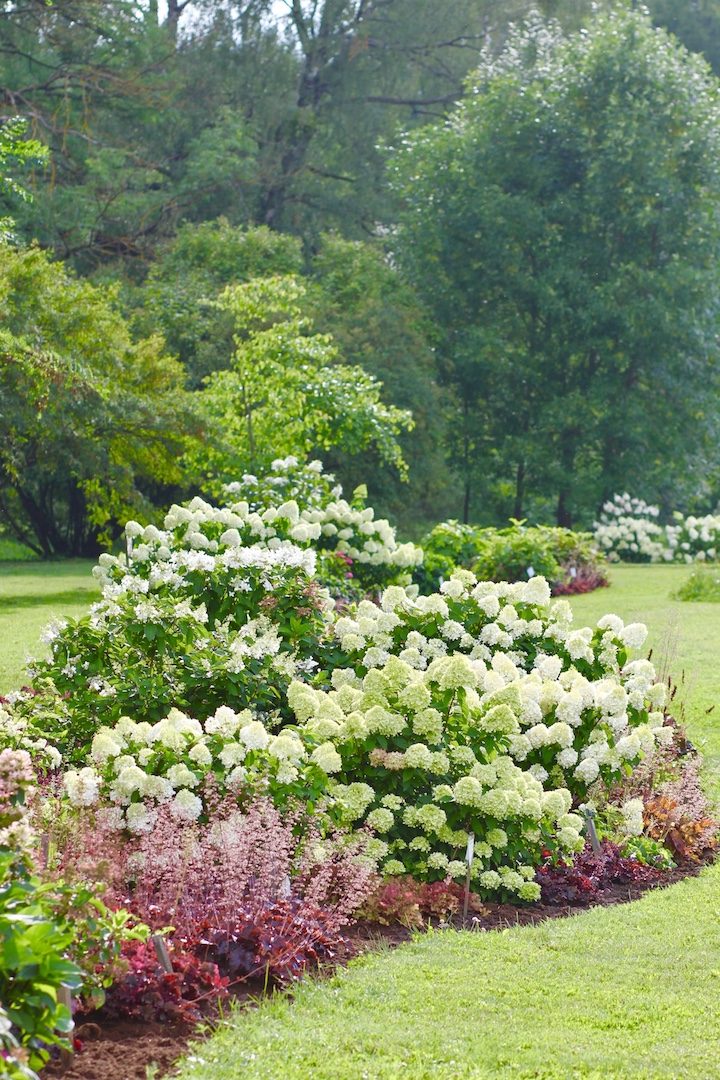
{"x":122,"y":1049}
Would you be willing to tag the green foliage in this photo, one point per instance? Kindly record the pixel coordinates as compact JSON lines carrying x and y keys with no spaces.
{"x":648,"y":851}
{"x":703,"y":586}
{"x":178,"y":295}
{"x":511,"y":554}
{"x":576,"y":194}
{"x":15,"y":152}
{"x":92,"y":420}
{"x":287,"y":391}
{"x":356,"y":294}
{"x":555,"y":553}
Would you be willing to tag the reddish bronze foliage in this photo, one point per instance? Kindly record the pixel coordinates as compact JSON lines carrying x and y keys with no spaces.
{"x":590,"y":873}
{"x":690,"y":838}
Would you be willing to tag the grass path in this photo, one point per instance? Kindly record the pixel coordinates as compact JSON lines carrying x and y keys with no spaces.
{"x":626,"y":992}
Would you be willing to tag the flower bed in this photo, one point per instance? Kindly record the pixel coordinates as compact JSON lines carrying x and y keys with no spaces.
{"x":227,"y":758}
{"x":569,"y":560}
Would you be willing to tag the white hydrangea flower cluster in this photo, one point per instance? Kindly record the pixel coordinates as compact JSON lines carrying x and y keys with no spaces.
{"x":694,"y":539}
{"x":179,"y":624}
{"x":584,"y":710}
{"x":628,"y":530}
{"x":423,"y":761}
{"x":135,"y":767}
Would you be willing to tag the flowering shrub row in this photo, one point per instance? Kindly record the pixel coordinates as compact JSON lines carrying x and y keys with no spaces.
{"x":628,"y":530}
{"x":477,"y":710}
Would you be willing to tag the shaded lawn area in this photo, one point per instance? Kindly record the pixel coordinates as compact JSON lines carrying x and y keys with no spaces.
{"x":31,"y":594}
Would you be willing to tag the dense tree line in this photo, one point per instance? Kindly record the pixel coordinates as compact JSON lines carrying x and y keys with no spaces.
{"x":196,"y":146}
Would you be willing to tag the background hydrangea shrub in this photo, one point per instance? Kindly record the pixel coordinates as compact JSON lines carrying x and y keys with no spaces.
{"x":298,"y":501}
{"x":184,"y":628}
{"x":628,"y":530}
{"x":694,"y":539}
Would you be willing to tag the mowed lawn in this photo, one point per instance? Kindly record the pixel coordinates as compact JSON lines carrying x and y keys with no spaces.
{"x":31,"y":594}
{"x":630,"y":992}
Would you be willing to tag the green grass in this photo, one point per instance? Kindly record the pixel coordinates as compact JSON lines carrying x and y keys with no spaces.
{"x":12,"y":549}
{"x":625,"y":992}
{"x":630,"y":992}
{"x":31,"y":594}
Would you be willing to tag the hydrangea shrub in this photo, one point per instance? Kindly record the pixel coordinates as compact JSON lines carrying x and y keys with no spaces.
{"x":586,"y":710}
{"x":300,"y":502}
{"x":628,"y":530}
{"x":183,"y":628}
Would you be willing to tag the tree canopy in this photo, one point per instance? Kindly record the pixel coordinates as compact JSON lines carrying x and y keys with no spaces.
{"x":562,"y":228}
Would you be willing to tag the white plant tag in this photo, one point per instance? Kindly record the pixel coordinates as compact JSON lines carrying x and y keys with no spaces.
{"x":470,"y":849}
{"x":530,"y":571}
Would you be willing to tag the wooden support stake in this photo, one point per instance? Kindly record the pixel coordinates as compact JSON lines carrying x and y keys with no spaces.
{"x":468,"y":859}
{"x":161,"y":951}
{"x":589,"y":815}
{"x":64,"y":997}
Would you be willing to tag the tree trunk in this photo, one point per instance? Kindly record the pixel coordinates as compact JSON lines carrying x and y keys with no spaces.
{"x":519,"y":490}
{"x":563,"y":514}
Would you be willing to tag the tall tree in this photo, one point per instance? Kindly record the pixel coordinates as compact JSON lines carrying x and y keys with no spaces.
{"x":563,"y":231}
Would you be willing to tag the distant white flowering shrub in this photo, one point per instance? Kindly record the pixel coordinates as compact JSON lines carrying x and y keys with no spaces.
{"x":694,"y":539}
{"x":628,"y":530}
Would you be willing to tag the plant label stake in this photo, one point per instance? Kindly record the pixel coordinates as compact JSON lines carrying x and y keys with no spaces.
{"x":161,"y":951}
{"x":468,"y":859}
{"x":64,"y":997}
{"x":589,"y":815}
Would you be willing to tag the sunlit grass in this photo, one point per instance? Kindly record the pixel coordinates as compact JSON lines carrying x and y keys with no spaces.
{"x":31,"y":594}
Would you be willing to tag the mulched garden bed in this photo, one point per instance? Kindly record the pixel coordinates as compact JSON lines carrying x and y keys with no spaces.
{"x":122,"y":1049}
